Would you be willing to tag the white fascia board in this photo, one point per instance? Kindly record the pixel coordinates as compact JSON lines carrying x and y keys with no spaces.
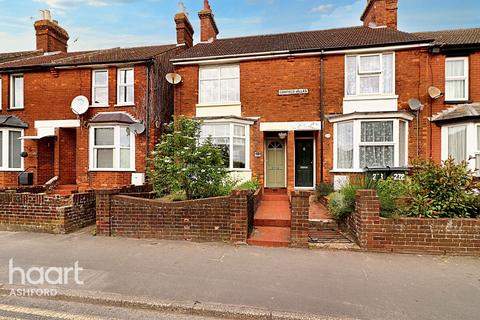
{"x":57,"y":124}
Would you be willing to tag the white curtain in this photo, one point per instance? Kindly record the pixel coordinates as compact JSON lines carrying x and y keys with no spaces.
{"x":403,"y":143}
{"x":351,"y":75}
{"x":457,"y":143}
{"x":345,"y":145}
{"x":370,"y":84}
{"x":373,"y":132}
{"x":455,"y":79}
{"x":388,"y":73}
{"x":370,"y":64}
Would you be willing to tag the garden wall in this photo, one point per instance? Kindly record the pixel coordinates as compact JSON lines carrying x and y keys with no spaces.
{"x":42,"y":213}
{"x":133,"y":215}
{"x":411,"y":235}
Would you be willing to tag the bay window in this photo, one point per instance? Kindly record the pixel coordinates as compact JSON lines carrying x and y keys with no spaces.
{"x":370,"y":74}
{"x":456,"y":79}
{"x":461,"y":141}
{"x":376,"y":143}
{"x":100,"y":87}
{"x":10,"y":149}
{"x":457,"y":143}
{"x":16,"y":91}
{"x":125,"y":86}
{"x":112,"y":148}
{"x":232,"y":139}
{"x":219,"y":85}
{"x":477,"y":153}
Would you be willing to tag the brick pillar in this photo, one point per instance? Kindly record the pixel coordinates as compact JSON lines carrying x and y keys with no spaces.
{"x":290,"y":160}
{"x":300,"y":209}
{"x":103,"y":201}
{"x":366,"y":215}
{"x":239,"y":216}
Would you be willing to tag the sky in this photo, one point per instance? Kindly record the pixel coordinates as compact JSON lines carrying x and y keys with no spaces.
{"x":97,"y":24}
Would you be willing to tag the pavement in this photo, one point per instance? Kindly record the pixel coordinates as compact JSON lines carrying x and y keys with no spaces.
{"x":330,"y":284}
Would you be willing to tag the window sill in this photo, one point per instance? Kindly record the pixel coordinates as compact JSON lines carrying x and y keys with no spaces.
{"x":457,"y":101}
{"x":239,"y":170}
{"x":227,"y":104}
{"x":370,"y":97}
{"x":14,"y":109}
{"x":99,"y":106}
{"x":124,"y":105}
{"x":11,"y":170}
{"x":347,"y":171}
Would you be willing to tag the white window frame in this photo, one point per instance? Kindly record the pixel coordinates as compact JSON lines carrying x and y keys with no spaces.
{"x":361,"y":74}
{"x":94,"y":86}
{"x":219,"y":67}
{"x":12,"y":91}
{"x":471,"y":135}
{"x":465,"y":77}
{"x":4,"y":165}
{"x":357,"y":143}
{"x":231,"y":138}
{"x":120,"y":84}
{"x":116,"y":149}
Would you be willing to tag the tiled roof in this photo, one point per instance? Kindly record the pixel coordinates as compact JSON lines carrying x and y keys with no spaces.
{"x":344,"y":38}
{"x":453,"y":37}
{"x":90,"y":57}
{"x":461,"y":111}
{"x":11,"y":56}
{"x":115,"y":117}
{"x":12,"y":122}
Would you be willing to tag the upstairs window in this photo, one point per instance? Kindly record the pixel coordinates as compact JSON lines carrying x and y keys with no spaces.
{"x":16,"y":91}
{"x":220,"y":85}
{"x":100,"y":87}
{"x":125,"y":90}
{"x":372,"y":74}
{"x":456,"y":79}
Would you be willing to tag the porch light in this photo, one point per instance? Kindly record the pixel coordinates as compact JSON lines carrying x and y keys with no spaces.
{"x":282,"y":135}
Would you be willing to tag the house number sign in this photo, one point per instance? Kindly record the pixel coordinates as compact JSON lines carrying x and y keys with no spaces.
{"x":291,"y":92}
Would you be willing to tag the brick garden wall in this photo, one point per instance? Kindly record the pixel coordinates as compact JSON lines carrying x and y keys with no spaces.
{"x":300,"y":202}
{"x":129,"y":213}
{"x":411,"y":235}
{"x":42,"y":213}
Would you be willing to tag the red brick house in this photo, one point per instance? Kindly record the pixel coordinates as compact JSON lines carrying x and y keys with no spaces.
{"x":103,"y":147}
{"x":455,"y":60}
{"x":297,"y":109}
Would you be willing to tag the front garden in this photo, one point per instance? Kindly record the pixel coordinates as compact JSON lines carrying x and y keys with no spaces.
{"x":446,"y":190}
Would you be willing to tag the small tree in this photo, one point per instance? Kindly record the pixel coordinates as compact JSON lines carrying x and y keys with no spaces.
{"x":182,"y":162}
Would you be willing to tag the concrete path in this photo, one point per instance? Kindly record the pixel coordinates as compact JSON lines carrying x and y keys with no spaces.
{"x":340,"y":284}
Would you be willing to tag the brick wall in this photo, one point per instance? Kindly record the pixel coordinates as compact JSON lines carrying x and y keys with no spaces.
{"x":127,"y":213}
{"x":300,"y":206}
{"x":42,"y":213}
{"x":411,"y":235}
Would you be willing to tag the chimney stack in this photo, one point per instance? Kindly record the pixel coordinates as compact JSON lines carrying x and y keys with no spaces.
{"x":381,"y":13}
{"x":50,"y":36}
{"x":184,"y":28}
{"x":208,"y":26}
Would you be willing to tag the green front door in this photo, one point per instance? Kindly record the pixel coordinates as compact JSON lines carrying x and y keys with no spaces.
{"x":275,"y":157}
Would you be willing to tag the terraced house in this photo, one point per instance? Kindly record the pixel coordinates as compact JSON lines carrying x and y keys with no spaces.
{"x":119,"y":97}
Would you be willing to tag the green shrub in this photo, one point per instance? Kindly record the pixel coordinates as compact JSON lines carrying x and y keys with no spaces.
{"x":389,"y":191}
{"x":251,"y":185}
{"x":323,"y":190}
{"x":442,"y":190}
{"x":182,"y":164}
{"x":337,"y":206}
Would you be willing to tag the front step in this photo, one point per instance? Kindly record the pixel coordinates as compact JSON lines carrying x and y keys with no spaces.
{"x":275,"y":197}
{"x":274,"y":237}
{"x":273,"y":214}
{"x":65,"y":190}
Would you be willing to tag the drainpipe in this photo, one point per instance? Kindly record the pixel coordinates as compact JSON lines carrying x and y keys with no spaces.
{"x":147,"y":116}
{"x":322,"y":113}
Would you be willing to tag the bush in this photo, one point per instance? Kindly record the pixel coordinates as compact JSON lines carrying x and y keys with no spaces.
{"x":251,"y":185}
{"x":389,"y":192}
{"x":323,"y":190}
{"x":342,"y":203}
{"x":442,"y":191}
{"x":182,"y":164}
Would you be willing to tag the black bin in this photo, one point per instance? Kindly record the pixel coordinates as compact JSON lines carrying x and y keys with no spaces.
{"x":397,"y":173}
{"x":25,"y":179}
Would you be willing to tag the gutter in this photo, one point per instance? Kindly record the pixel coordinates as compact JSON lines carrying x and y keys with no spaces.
{"x":296,"y":53}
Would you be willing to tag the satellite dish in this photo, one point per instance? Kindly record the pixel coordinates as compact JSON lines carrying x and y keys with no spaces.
{"x":434,"y":92}
{"x":415,"y":104}
{"x":80,"y":105}
{"x":173,"y":78}
{"x":138,"y":128}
